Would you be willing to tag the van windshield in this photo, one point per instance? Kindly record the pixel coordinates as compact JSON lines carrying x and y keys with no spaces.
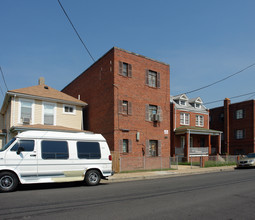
{"x":7,"y":145}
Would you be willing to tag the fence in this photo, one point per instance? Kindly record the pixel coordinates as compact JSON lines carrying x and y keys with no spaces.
{"x":203,"y":161}
{"x":131,"y":163}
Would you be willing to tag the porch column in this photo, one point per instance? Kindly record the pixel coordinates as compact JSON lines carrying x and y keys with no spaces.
{"x":209,"y":145}
{"x":172,"y":145}
{"x":219,"y":144}
{"x":187,"y":145}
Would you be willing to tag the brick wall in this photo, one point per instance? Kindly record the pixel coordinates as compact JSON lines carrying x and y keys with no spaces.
{"x":101,"y":86}
{"x":245,"y":145}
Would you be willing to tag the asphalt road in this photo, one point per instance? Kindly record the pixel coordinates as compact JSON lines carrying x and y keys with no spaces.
{"x":223,"y":195}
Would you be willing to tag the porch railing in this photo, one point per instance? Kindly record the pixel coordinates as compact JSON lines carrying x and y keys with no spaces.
{"x":193,"y":151}
{"x":198,"y":151}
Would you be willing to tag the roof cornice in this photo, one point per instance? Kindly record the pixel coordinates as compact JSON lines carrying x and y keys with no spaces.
{"x":22,"y":95}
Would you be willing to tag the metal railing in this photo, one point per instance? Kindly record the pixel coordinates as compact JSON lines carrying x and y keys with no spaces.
{"x":192,"y":151}
{"x":131,"y":163}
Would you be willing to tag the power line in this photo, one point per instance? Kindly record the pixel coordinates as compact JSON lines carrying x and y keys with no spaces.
{"x":221,"y":79}
{"x":3,"y":78}
{"x":234,"y":97}
{"x":76,"y":30}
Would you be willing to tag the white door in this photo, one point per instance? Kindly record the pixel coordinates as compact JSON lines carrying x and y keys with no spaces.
{"x":25,"y":161}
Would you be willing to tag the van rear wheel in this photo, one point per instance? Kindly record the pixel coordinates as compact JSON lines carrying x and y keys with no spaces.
{"x":92,"y":177}
{"x":8,"y":182}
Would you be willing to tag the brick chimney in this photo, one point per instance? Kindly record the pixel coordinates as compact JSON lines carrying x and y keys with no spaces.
{"x":226,"y":123}
{"x":41,"y":81}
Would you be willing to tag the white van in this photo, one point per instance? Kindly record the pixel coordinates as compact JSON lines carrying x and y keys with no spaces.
{"x":47,"y":156}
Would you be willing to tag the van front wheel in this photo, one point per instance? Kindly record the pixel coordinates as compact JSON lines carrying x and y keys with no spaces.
{"x":92,"y":177}
{"x":8,"y":182}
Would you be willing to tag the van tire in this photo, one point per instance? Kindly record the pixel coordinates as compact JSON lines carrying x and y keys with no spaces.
{"x":8,"y":182}
{"x":92,"y":177}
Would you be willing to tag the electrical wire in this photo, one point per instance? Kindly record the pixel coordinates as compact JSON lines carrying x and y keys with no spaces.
{"x":234,"y":97}
{"x":76,"y":31}
{"x":0,"y":86}
{"x":3,"y":78}
{"x":221,"y":79}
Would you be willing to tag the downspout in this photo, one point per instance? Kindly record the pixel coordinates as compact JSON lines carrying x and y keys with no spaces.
{"x":188,"y":144}
{"x":13,"y":114}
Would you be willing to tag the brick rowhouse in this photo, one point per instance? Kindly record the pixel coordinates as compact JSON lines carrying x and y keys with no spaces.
{"x":237,"y":121}
{"x":128,"y":98}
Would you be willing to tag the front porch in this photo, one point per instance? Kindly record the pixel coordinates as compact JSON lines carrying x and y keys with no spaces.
{"x":195,"y":142}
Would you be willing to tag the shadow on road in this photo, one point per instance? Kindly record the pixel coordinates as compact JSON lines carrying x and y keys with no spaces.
{"x":244,"y":168}
{"x":43,"y":186}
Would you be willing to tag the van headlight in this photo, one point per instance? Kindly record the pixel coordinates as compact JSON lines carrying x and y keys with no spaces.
{"x":251,"y":161}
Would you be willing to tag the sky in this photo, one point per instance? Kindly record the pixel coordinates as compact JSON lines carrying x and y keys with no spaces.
{"x":203,"y":41}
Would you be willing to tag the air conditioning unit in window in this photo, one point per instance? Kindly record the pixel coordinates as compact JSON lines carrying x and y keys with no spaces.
{"x":155,"y":117}
{"x":26,"y":121}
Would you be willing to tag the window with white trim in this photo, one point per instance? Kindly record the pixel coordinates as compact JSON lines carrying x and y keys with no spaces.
{"x":49,"y":114}
{"x":26,"y":111}
{"x":184,"y":118}
{"x":182,"y":102}
{"x":199,"y":120}
{"x":197,"y":105}
{"x":69,"y":109}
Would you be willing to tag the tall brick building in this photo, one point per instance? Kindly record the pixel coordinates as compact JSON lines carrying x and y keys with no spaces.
{"x":237,"y":121}
{"x":128,"y":98}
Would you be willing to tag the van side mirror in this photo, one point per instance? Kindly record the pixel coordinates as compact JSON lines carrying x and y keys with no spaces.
{"x":20,"y":149}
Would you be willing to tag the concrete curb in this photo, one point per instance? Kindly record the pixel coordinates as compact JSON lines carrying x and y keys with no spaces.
{"x":123,"y":177}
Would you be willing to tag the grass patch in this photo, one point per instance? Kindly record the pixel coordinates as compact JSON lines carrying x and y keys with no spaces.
{"x":209,"y":163}
{"x":218,"y":164}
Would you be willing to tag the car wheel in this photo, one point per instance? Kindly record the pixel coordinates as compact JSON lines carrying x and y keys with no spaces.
{"x":8,"y":182}
{"x":92,"y":177}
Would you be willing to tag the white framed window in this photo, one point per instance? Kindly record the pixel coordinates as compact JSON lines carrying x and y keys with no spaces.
{"x":182,"y":102}
{"x":197,"y":105}
{"x":26,"y":111}
{"x":69,"y":109}
{"x":240,"y":114}
{"x":200,"y":120}
{"x":49,"y":113}
{"x":184,"y":118}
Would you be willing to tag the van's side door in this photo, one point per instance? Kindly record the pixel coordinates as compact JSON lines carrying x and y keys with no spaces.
{"x":23,"y":158}
{"x":55,"y":163}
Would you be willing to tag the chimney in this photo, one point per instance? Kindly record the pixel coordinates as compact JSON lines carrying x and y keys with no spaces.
{"x":226,"y":124}
{"x":41,"y":81}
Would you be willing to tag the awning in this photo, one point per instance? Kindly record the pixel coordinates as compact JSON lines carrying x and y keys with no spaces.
{"x":196,"y":130}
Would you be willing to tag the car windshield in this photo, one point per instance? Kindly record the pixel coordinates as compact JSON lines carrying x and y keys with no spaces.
{"x":8,"y":144}
{"x":251,"y":155}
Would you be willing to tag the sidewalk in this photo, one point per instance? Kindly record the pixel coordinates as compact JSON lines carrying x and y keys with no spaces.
{"x":182,"y":170}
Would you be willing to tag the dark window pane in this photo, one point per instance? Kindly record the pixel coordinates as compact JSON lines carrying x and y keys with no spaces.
{"x":125,"y":146}
{"x":28,"y":145}
{"x":125,"y":69}
{"x":54,"y":150}
{"x":88,"y":150}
